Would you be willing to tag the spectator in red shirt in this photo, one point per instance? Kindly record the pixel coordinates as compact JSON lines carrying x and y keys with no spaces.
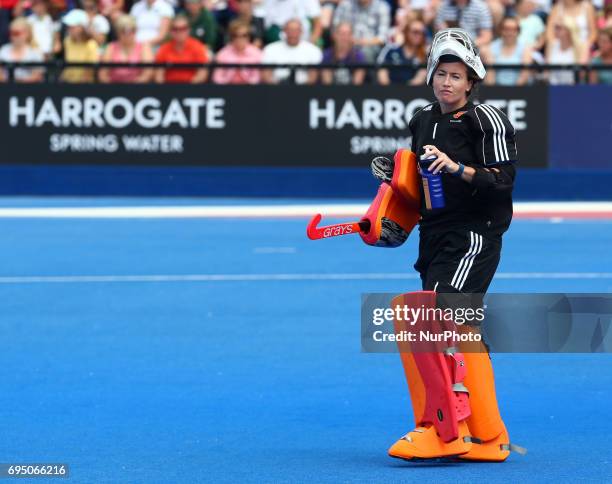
{"x":181,"y":48}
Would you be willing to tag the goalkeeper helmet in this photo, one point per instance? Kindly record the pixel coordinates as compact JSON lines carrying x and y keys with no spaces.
{"x":456,"y":43}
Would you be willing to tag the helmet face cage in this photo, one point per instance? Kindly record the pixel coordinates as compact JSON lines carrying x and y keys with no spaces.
{"x":458,"y":35}
{"x":455,"y":42}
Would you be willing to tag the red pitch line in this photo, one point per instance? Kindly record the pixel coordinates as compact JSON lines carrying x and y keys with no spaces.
{"x":335,"y":230}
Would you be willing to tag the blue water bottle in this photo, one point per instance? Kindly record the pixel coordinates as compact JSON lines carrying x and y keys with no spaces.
{"x":432,"y":184}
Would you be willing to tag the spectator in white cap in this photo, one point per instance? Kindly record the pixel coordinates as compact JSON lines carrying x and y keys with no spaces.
{"x":98,"y":27}
{"x":78,"y":47}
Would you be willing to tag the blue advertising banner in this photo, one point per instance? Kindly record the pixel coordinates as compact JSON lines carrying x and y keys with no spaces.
{"x":580,"y":124}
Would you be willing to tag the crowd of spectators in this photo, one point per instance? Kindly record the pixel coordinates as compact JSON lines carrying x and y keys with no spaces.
{"x":343,"y":36}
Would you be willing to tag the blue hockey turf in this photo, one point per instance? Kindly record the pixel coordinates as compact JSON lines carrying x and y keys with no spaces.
{"x":242,"y":361}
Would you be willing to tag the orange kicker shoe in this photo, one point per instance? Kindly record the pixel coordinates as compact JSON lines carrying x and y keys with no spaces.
{"x":494,"y":450}
{"x":424,"y":443}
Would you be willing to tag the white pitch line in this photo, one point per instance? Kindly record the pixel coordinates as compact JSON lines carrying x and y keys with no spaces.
{"x":203,"y":278}
{"x":277,"y":277}
{"x":546,"y":209}
{"x":229,"y":211}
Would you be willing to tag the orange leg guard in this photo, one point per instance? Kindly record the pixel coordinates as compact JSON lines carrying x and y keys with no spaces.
{"x":489,"y":434}
{"x":481,"y":434}
{"x":434,"y":378}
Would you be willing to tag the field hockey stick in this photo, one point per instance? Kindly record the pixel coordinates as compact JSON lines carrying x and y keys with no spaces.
{"x":335,"y":230}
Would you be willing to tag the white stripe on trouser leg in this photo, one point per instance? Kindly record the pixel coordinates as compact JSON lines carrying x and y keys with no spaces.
{"x":464,"y":276}
{"x":463,"y":260}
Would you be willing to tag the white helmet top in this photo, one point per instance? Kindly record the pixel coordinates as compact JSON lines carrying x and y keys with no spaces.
{"x":455,"y":42}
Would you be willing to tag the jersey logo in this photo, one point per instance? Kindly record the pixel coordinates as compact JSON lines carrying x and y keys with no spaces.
{"x":459,"y":114}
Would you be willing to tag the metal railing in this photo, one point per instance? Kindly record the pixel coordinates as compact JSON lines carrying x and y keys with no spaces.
{"x":53,"y":69}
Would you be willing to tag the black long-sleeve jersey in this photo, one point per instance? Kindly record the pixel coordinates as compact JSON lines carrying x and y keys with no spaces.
{"x":479,"y":136}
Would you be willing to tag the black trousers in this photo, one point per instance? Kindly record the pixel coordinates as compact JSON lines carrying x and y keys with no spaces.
{"x":457,"y":261}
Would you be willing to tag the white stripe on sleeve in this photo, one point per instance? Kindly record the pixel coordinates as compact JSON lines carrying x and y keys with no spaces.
{"x":494,"y":128}
{"x":501,"y":134}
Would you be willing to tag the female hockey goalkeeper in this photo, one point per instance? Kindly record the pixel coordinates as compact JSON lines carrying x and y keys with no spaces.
{"x":472,"y":153}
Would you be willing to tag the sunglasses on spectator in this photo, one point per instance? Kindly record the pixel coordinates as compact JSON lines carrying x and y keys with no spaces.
{"x":127,"y":31}
{"x":182,"y":28}
{"x":243,"y":35}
